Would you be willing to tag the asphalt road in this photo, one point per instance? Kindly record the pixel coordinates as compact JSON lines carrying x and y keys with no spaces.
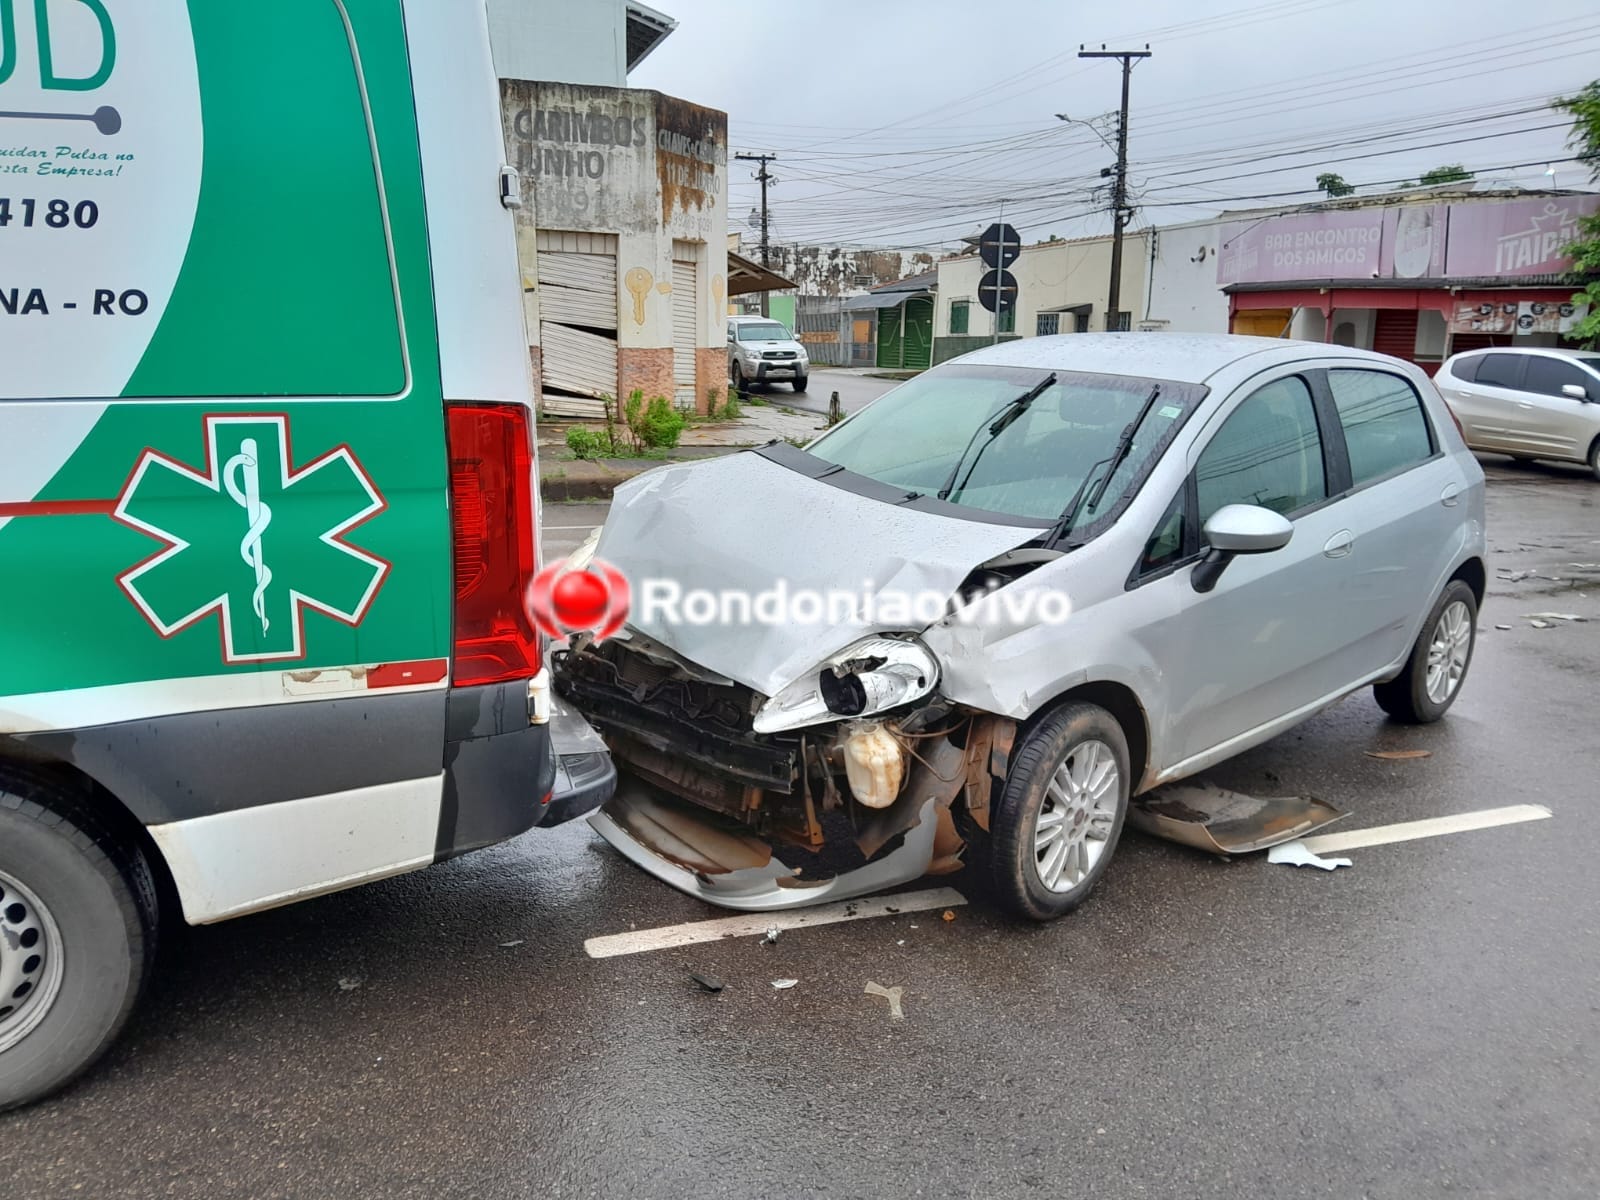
{"x":1422,"y":1024}
{"x":855,"y":391}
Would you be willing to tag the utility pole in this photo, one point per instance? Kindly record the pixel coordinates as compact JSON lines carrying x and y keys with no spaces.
{"x":765,"y":179}
{"x":995,"y":340}
{"x":1119,"y":182}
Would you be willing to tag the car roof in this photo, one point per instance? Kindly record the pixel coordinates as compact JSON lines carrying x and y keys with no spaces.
{"x":770,"y":320}
{"x":1182,"y":357}
{"x":1587,"y":357}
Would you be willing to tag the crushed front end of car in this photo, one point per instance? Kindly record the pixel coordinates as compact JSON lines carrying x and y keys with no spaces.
{"x":724,"y":795}
{"x":767,"y":765}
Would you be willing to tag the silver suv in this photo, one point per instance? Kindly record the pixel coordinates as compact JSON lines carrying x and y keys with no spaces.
{"x":1527,"y":403}
{"x":761,"y":350}
{"x":1186,"y":545}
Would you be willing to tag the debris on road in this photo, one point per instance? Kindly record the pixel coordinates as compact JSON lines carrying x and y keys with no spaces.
{"x":771,"y":938}
{"x":1540,"y":624}
{"x":1295,"y":854}
{"x":1502,"y":627}
{"x":709,"y":983}
{"x":1218,"y":821}
{"x":508,"y":945}
{"x":949,"y":914}
{"x":892,"y":995}
{"x":1399,"y":755}
{"x":349,"y":983}
{"x":784,"y":985}
{"x":1518,"y":576}
{"x":1554,"y":617}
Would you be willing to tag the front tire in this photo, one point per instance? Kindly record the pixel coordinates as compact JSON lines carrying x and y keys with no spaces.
{"x":1594,"y":458}
{"x":800,"y":382}
{"x":740,"y":384}
{"x":1427,"y":687}
{"x":78,"y":924}
{"x":1060,"y":813}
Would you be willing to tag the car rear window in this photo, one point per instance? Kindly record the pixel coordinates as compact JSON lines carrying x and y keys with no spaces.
{"x":1500,"y":370}
{"x":1466,"y":369}
{"x":1385,"y":429}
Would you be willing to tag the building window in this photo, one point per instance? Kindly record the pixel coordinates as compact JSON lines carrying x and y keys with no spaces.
{"x":1046,"y":324}
{"x":1119,"y":322}
{"x":863,"y":281}
{"x":1080,"y":322}
{"x":958,"y":316}
{"x":1008,"y":321}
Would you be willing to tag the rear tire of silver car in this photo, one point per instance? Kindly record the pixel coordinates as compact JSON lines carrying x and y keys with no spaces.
{"x":78,"y":923}
{"x":1433,"y":675}
{"x":1594,"y":458}
{"x":800,"y":382}
{"x":740,"y":385}
{"x":1060,"y":812}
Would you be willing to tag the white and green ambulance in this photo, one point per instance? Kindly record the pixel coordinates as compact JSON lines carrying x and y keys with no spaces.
{"x":268,"y":503}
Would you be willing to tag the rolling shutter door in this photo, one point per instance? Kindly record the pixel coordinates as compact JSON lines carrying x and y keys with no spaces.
{"x":1394,"y":332}
{"x":685,"y":289}
{"x":577,"y":327}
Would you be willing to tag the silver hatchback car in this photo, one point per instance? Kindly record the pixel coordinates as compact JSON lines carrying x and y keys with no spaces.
{"x":1527,"y":403}
{"x":1179,"y":546}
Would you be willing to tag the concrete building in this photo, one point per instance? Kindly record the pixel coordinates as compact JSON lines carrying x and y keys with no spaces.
{"x":1062,"y":287}
{"x":621,"y":233}
{"x":819,"y":270}
{"x":1420,"y":280}
{"x":594,"y":42}
{"x":1419,"y":276}
{"x":1181,"y":291}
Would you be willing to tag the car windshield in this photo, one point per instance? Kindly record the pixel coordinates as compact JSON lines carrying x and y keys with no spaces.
{"x":938,"y":428}
{"x":762,"y":333}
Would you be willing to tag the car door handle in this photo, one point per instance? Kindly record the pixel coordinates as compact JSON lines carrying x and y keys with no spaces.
{"x":1451,"y":495}
{"x":1339,"y":544}
{"x":1524,"y":404}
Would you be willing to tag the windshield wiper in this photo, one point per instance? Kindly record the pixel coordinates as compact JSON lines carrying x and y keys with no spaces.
{"x":996,"y":427}
{"x":1069,"y":516}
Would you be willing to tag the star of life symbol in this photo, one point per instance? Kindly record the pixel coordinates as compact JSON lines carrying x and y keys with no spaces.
{"x":256,"y":541}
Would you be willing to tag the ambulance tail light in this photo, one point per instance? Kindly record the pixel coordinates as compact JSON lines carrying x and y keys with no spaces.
{"x":495,"y":542}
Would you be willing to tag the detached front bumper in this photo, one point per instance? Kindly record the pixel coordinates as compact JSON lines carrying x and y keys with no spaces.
{"x":677,"y":845}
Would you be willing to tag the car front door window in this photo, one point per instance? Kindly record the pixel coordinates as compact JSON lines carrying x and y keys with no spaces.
{"x":1547,"y":376}
{"x":1268,"y":452}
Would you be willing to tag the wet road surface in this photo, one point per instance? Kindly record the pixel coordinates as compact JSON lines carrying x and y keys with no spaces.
{"x":1422,"y":1024}
{"x":855,"y":391}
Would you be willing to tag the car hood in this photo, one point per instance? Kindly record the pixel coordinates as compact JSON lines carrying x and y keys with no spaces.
{"x":746,"y":524}
{"x":756,"y":348}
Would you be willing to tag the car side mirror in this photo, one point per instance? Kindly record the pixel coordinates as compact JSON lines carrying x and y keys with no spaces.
{"x":1236,"y":529}
{"x":1576,"y":390}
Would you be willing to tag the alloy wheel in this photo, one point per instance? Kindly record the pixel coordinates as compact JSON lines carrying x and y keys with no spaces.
{"x":1076,"y":818}
{"x":1447,"y":652}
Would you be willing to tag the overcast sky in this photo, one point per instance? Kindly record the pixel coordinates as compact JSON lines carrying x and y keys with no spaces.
{"x":909,"y":122}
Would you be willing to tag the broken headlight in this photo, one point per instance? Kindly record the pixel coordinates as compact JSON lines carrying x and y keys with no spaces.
{"x":870,"y":676}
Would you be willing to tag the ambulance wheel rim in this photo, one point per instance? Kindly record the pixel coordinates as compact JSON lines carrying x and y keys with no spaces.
{"x":30,"y":961}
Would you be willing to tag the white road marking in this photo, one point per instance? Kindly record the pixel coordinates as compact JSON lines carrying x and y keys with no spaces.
{"x":637,"y":941}
{"x":1405,"y":831}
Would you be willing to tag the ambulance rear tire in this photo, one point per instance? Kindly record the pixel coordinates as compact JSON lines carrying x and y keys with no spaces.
{"x":78,"y":922}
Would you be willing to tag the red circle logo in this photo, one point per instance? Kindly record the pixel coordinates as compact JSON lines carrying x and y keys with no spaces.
{"x":563,"y":601}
